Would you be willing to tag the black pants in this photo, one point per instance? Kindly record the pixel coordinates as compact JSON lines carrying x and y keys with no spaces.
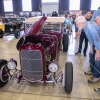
{"x":83,"y":37}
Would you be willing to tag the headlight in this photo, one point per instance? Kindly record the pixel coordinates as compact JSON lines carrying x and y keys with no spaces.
{"x":11,"y":65}
{"x":3,"y":30}
{"x":11,"y":29}
{"x":53,"y":67}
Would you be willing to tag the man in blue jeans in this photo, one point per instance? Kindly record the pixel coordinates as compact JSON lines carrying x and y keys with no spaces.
{"x":92,"y":31}
{"x":96,"y":19}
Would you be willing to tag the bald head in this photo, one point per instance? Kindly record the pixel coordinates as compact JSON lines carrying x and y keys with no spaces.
{"x":80,"y":22}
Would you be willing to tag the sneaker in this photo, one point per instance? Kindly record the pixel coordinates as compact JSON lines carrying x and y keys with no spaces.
{"x":93,"y":80}
{"x":88,"y":73}
{"x":78,"y":53}
{"x":84,"y":53}
{"x":97,"y":90}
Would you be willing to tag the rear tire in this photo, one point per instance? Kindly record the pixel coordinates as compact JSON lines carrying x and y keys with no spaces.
{"x":17,"y":34}
{"x":65,"y":42}
{"x":3,"y":76}
{"x":68,"y":77}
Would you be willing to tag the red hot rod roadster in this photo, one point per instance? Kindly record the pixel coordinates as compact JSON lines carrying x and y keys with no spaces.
{"x":39,"y":49}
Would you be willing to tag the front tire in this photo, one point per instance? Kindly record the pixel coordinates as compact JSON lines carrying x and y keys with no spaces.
{"x":3,"y":73}
{"x":68,"y":77}
{"x":1,"y":34}
{"x":17,"y":34}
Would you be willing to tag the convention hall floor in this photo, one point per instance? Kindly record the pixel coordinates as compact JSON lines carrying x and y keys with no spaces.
{"x":26,"y":91}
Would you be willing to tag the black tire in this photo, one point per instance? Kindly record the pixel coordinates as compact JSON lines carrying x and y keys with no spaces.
{"x":68,"y":77}
{"x":3,"y":79}
{"x":65,"y":42}
{"x":17,"y":34}
{"x":1,"y":34}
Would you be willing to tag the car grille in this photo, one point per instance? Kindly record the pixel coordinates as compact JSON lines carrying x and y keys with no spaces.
{"x":31,"y":63}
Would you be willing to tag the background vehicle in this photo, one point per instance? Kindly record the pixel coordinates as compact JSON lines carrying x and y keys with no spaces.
{"x":2,"y":27}
{"x":12,"y":26}
{"x":38,"y":51}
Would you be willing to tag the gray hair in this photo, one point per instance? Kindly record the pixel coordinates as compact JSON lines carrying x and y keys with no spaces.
{"x":80,"y":19}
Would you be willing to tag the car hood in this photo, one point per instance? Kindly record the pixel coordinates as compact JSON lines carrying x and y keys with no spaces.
{"x":34,"y":29}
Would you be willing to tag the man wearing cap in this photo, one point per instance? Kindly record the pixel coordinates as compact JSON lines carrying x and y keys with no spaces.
{"x":96,"y":19}
{"x":92,"y":31}
{"x":95,"y":15}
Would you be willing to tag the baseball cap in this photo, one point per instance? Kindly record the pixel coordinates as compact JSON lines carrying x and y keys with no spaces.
{"x":98,"y":7}
{"x":96,"y":14}
{"x":96,"y":18}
